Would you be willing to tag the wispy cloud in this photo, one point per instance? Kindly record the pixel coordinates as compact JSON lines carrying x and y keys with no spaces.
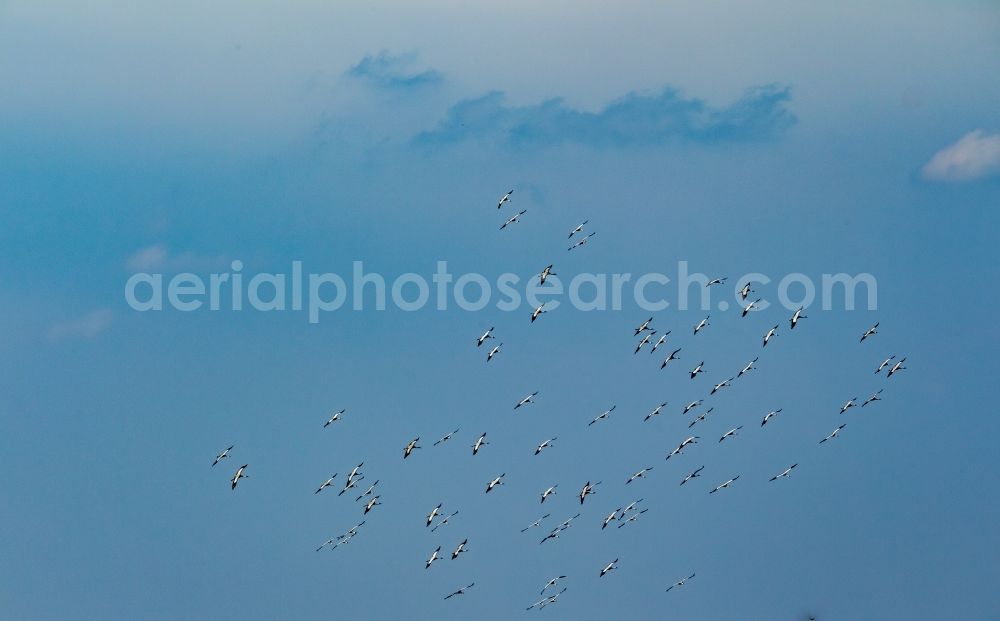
{"x":635,"y":119}
{"x":86,"y":327}
{"x":158,"y":258}
{"x":975,"y":155}
{"x":394,"y":71}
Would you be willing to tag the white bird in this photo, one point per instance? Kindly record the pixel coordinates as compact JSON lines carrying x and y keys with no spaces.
{"x":655,"y":412}
{"x":747,"y":368}
{"x":784,"y":474}
{"x":602,"y":415}
{"x":745,"y":291}
{"x":460,"y":591}
{"x":698,"y":369}
{"x":767,"y":337}
{"x":663,"y":338}
{"x":551,"y":583}
{"x":716,"y":281}
{"x":769,"y":416}
{"x":513,"y":219}
{"x":850,"y":404}
{"x":643,"y":327}
{"x":639,"y":475}
{"x":834,"y":434}
{"x":874,"y":397}
{"x":336,"y":416}
{"x":350,"y":483}
{"x":732,"y":432}
{"x":434,"y":557}
{"x":326,"y":484}
{"x":446,"y":437}
{"x":672,"y":356}
{"x":679,"y":583}
{"x":578,"y":228}
{"x":680,"y":447}
{"x":587,"y":490}
{"x":721,"y":385}
{"x":356,"y":471}
{"x":433,"y":514}
{"x":884,"y":364}
{"x":224,"y":454}
{"x":371,"y":504}
{"x":749,"y":307}
{"x":609,"y":567}
{"x":644,"y":340}
{"x":459,"y":549}
{"x":693,"y":475}
{"x":368,"y":492}
{"x":478,"y":444}
{"x":538,"y":311}
{"x":870,"y":331}
{"x":484,"y":336}
{"x":546,"y":273}
{"x":326,"y":543}
{"x":240,"y":474}
{"x":612,"y":516}
{"x":544,"y":445}
{"x":796,"y":316}
{"x":528,"y":399}
{"x":505,"y":199}
{"x":725,"y":485}
{"x":631,"y":518}
{"x":700,"y":417}
{"x":495,"y":482}
{"x":583,"y":241}
{"x":535,"y":524}
{"x":701,"y":324}
{"x":412,"y":444}
{"x":549,"y":492}
{"x":691,"y":406}
{"x":493,"y":352}
{"x":896,"y":368}
{"x":443,"y":521}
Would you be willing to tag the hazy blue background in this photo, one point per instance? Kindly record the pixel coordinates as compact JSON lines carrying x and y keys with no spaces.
{"x":747,"y":136}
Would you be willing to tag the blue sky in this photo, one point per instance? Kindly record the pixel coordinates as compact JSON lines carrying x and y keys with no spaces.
{"x":772,"y":138}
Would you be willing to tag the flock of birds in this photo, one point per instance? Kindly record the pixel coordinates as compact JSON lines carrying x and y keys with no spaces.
{"x":644,"y":333}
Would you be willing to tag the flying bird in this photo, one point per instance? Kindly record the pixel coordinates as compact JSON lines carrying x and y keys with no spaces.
{"x":745,"y":291}
{"x":505,"y":199}
{"x":368,"y":492}
{"x":434,"y":512}
{"x":578,"y":228}
{"x":538,"y":311}
{"x":460,"y":591}
{"x":493,"y":352}
{"x":693,"y":475}
{"x":546,"y":273}
{"x":870,"y":331}
{"x":680,"y":447}
{"x":443,"y":521}
{"x":701,"y":324}
{"x":850,"y":404}
{"x":336,"y":416}
{"x":672,"y":356}
{"x":528,"y":399}
{"x":587,"y":490}
{"x":484,"y":336}
{"x":544,"y":445}
{"x":513,"y":219}
{"x":549,"y":492}
{"x":602,"y":415}
{"x":551,"y":583}
{"x":663,"y":338}
{"x":631,"y":518}
{"x":749,"y":307}
{"x":644,"y":326}
{"x":609,"y":567}
{"x":371,"y":504}
{"x":698,"y":369}
{"x":691,"y":406}
{"x":412,"y":444}
{"x":770,"y":333}
{"x":612,"y":516}
{"x":434,"y":557}
{"x":747,"y":368}
{"x":224,"y":454}
{"x":884,"y":364}
{"x":535,"y":524}
{"x":732,"y":432}
{"x":834,"y":434}
{"x":478,"y":444}
{"x":725,"y":485}
{"x":639,"y":475}
{"x":497,"y":481}
{"x":721,"y":385}
{"x":896,"y":368}
{"x":583,"y":241}
{"x":769,"y":416}
{"x":644,"y":340}
{"x":874,"y":397}
{"x":446,"y":437}
{"x":655,"y":412}
{"x":459,"y":549}
{"x":679,"y":583}
{"x":700,"y":417}
{"x":784,"y":474}
{"x":716,"y":281}
{"x":796,"y":316}
{"x":240,"y":474}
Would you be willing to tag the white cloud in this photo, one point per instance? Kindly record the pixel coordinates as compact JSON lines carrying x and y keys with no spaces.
{"x":158,"y":258}
{"x":86,"y":327}
{"x":975,"y":155}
